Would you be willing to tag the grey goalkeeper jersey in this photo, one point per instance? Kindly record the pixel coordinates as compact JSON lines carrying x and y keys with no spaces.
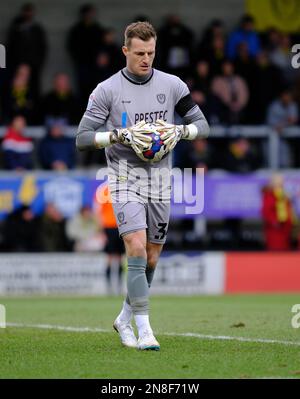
{"x":121,"y":102}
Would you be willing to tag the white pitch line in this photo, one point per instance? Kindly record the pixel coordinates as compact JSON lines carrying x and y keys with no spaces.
{"x":193,"y":335}
{"x":228,"y":338}
{"x":55,"y":327}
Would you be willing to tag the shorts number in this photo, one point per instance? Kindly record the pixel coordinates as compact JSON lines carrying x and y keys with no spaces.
{"x":162,"y":230}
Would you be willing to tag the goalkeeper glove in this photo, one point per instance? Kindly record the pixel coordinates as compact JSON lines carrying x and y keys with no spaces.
{"x":135,"y":136}
{"x":171,"y":134}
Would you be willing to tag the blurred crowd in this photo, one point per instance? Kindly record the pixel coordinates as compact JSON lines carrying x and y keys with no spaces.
{"x":237,"y":77}
{"x":23,"y":230}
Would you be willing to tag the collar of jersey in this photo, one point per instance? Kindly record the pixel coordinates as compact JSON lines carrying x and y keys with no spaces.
{"x":136,"y":82}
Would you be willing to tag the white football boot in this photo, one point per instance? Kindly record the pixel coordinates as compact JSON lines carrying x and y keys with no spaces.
{"x":147,"y":341}
{"x":126,"y":333}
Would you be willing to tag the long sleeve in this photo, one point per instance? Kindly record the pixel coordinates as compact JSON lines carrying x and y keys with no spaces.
{"x":93,"y":119}
{"x":197,"y":118}
{"x":85,"y":137}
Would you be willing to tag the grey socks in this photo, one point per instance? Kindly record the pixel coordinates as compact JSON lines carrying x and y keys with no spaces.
{"x":137,"y":286}
{"x":149,"y":277}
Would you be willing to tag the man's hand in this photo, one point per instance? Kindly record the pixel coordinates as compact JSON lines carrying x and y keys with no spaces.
{"x":136,"y":136}
{"x":171,"y":134}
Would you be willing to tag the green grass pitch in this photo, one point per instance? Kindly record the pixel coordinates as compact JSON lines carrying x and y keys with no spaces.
{"x":32,"y":352}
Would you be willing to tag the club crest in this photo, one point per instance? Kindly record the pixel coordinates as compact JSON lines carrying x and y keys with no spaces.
{"x":161,"y":98}
{"x":121,"y":217}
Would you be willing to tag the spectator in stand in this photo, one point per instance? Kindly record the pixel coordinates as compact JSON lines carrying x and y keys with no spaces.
{"x":201,"y":77}
{"x":268,"y":84}
{"x":271,"y":40}
{"x":83,"y":43}
{"x":199,"y":84}
{"x":245,"y":67}
{"x":17,"y":149}
{"x":109,"y":59}
{"x":215,"y":55}
{"x":281,"y":113}
{"x":244,"y":64}
{"x":18,"y":98}
{"x":175,"y":47}
{"x":57,"y":152}
{"x":277,"y":214}
{"x":212,"y":46}
{"x":281,"y":57}
{"x":21,"y":231}
{"x":102,"y":68}
{"x":83,"y":230}
{"x":231,"y":95}
{"x":200,"y":87}
{"x":60,"y":102}
{"x":200,"y":155}
{"x":245,"y":33}
{"x":240,"y":156}
{"x":214,"y":30}
{"x":53,"y":231}
{"x":27,"y":44}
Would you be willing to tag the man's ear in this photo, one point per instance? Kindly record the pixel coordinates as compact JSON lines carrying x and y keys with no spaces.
{"x":125,"y":50}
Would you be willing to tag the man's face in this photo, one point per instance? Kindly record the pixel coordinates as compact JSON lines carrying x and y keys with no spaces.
{"x":286,"y":98}
{"x":248,"y":26}
{"x":56,"y":131}
{"x":227,"y":68}
{"x":19,"y":123}
{"x":139,"y":56}
{"x":62,"y":83}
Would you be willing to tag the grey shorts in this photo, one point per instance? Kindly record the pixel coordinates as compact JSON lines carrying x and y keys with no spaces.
{"x":152,"y":216}
{"x":141,"y":196}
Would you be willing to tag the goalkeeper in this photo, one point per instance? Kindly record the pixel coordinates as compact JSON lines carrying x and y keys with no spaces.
{"x":125,"y":105}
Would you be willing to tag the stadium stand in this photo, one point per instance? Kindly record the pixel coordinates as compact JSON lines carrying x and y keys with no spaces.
{"x":242,"y":80}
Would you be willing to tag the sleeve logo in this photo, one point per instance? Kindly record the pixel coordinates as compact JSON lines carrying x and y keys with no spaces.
{"x":90,"y":102}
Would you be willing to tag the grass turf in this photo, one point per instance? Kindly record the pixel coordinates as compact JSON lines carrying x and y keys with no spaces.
{"x":36,"y":353}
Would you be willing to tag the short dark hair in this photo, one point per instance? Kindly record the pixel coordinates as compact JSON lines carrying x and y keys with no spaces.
{"x":86,"y":8}
{"x":28,"y":7}
{"x":247,"y":18}
{"x":142,"y":30}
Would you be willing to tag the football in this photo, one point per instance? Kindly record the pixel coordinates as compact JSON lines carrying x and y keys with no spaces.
{"x":157,"y":151}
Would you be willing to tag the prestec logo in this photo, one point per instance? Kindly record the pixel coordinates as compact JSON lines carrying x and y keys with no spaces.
{"x":2,"y":56}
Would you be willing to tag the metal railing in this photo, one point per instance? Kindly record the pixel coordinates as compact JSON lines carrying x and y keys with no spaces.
{"x":264,"y":132}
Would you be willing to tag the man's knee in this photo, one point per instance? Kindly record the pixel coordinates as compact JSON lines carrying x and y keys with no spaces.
{"x":135,"y":244}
